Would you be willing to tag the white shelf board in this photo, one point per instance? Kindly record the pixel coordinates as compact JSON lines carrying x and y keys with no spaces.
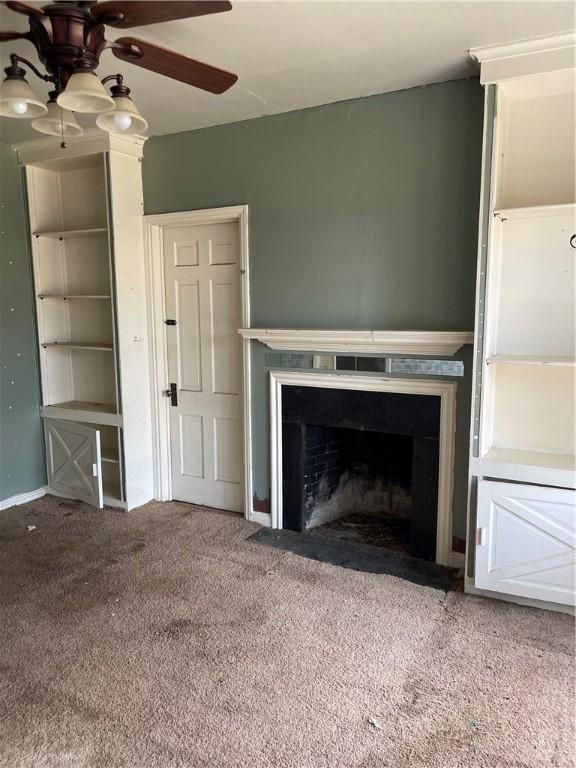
{"x":532,"y":211}
{"x":102,"y":346}
{"x":67,"y":234}
{"x":530,"y":360}
{"x":74,"y":296}
{"x":532,"y":458}
{"x":76,"y":410}
{"x":552,"y":469}
{"x":110,"y":457}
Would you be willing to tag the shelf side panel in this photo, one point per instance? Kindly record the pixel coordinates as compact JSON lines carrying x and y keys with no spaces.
{"x":124,"y":179}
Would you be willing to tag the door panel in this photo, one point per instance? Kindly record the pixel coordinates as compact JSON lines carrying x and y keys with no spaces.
{"x":202,"y":276}
{"x":191,"y":445}
{"x":74,"y":460}
{"x":227,"y":434}
{"x":225,"y":312}
{"x":526,"y":542}
{"x":188,"y":334}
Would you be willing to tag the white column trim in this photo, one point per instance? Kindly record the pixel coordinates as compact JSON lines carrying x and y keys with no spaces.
{"x":445,"y":390}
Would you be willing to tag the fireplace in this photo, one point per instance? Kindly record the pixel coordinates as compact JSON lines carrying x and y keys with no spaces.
{"x":368,"y":458}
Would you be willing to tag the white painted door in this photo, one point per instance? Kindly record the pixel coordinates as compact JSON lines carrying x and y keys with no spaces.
{"x":74,"y":460}
{"x":526,"y":541}
{"x":202,"y":278}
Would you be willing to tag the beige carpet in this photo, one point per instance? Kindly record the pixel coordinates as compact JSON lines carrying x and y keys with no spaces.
{"x":163,"y":638}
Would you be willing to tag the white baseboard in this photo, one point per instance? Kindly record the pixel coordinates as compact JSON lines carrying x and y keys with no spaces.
{"x":262,"y":518}
{"x":22,"y":498}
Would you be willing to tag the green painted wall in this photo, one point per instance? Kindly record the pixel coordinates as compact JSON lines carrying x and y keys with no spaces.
{"x":21,"y":449}
{"x":363,"y":214}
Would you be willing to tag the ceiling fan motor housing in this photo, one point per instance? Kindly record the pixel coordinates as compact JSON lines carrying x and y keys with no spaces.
{"x":67,"y":39}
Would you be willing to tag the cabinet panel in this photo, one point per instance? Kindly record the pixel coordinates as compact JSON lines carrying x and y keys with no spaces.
{"x":526,"y":541}
{"x":74,"y":460}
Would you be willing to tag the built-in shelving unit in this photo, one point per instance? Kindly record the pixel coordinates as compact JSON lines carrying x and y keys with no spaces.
{"x":523,"y":462}
{"x":529,"y":375}
{"x":85,"y":211}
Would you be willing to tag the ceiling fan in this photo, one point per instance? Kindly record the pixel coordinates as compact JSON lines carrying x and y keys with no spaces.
{"x":69,"y":37}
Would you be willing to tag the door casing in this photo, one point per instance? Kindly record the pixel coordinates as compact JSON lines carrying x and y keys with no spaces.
{"x":154,"y":225}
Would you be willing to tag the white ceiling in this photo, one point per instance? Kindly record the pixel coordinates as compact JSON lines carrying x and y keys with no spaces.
{"x":291,"y":55}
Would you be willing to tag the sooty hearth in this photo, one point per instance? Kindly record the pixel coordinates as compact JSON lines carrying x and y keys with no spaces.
{"x":362,"y":467}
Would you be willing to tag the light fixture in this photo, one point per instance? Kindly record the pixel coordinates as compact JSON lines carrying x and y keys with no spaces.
{"x":85,"y":93}
{"x":69,"y":37}
{"x":17,"y":99}
{"x":58,"y":122}
{"x":124,"y":118}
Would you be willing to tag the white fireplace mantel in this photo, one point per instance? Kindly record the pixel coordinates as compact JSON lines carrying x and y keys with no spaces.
{"x":444,"y":343}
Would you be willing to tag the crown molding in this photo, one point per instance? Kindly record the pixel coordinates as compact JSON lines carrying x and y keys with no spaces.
{"x":445,"y":343}
{"x":47,"y":148}
{"x":520,"y":47}
{"x":522,"y":58}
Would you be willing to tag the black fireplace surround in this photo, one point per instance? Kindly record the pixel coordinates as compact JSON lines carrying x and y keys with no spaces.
{"x":309,"y":450}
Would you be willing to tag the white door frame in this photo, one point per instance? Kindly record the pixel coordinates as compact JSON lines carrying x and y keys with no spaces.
{"x":154,"y":225}
{"x":445,"y":390}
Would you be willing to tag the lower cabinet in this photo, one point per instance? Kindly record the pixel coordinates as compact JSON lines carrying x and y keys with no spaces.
{"x":526,"y":541}
{"x":83,"y":461}
{"x":74,"y":463}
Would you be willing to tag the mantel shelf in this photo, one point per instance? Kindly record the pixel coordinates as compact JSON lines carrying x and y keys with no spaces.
{"x":445,"y":343}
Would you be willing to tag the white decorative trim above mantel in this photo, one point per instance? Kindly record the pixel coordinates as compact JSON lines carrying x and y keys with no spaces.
{"x":444,"y":343}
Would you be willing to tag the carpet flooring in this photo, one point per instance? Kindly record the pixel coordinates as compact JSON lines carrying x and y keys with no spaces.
{"x":166,"y":639}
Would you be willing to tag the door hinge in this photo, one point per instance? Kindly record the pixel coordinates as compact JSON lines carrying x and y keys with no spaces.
{"x":94,"y":470}
{"x":170,"y":322}
{"x":480,"y":536}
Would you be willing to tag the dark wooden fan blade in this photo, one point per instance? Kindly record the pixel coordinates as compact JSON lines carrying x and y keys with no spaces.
{"x":137,"y":13}
{"x":174,"y":65}
{"x":7,"y":36}
{"x":27,"y":10}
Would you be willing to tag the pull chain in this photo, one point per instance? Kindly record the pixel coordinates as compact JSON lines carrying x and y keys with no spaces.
{"x":62,"y":142}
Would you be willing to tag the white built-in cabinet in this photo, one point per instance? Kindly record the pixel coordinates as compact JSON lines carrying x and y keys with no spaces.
{"x":523,"y":503}
{"x":85,"y":215}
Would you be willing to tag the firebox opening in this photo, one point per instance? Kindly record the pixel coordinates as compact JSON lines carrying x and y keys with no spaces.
{"x":362,"y":467}
{"x":357,"y":485}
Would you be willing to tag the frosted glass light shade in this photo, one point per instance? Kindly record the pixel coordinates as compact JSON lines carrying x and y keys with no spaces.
{"x":17,"y":99}
{"x":58,"y":122}
{"x":124,"y":119}
{"x":85,"y":93}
